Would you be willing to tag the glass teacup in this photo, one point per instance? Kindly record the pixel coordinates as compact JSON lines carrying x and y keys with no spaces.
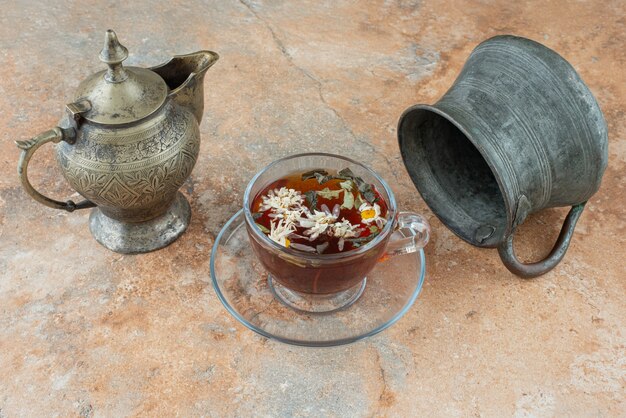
{"x":327,"y":282}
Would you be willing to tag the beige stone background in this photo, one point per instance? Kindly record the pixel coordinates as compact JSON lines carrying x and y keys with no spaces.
{"x":87,"y":332}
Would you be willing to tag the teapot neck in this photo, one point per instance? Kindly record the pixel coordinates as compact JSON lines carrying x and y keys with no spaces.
{"x":116,"y":73}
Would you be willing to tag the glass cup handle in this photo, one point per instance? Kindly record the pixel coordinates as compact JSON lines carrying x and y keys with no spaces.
{"x":411,"y":234}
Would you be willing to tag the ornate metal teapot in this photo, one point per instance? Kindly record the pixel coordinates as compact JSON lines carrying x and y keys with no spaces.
{"x":127,"y":143}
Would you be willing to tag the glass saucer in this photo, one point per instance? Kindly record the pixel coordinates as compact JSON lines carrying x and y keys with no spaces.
{"x":241,"y":283}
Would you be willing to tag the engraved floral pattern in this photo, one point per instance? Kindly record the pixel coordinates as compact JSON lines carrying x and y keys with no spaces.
{"x":133,"y":174}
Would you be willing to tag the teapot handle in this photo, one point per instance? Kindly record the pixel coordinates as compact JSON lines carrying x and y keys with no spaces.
{"x":530,"y":270}
{"x":28,"y":148}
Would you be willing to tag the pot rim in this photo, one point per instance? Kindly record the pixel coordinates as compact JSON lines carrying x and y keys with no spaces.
{"x":509,"y":200}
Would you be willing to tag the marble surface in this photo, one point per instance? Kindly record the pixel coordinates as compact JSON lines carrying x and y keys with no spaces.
{"x":87,"y":332}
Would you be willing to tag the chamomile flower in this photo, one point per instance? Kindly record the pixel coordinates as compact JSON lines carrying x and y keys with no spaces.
{"x":281,"y":200}
{"x":318,"y":222}
{"x":344,"y":229}
{"x":290,"y":216}
{"x":371,"y":213}
{"x":280,"y":232}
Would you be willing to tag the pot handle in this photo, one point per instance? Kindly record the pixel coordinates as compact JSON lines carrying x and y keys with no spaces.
{"x":530,"y":270}
{"x":28,"y":148}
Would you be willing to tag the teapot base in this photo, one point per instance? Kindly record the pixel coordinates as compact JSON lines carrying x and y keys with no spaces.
{"x":141,"y":237}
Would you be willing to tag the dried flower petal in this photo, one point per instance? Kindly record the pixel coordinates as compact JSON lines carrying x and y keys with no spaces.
{"x":322,"y":247}
{"x":302,"y":247}
{"x":345,"y":229}
{"x":280,"y":232}
{"x":280,"y":200}
{"x":317,"y":222}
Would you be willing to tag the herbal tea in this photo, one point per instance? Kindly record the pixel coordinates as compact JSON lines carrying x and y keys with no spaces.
{"x":320,"y":212}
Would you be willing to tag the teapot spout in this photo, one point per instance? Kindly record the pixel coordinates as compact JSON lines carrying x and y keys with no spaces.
{"x":184,"y":75}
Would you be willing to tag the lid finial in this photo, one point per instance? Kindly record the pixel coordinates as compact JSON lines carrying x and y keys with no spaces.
{"x":112,"y":54}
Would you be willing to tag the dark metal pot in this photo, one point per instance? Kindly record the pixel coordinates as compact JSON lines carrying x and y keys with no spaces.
{"x":517,"y":132}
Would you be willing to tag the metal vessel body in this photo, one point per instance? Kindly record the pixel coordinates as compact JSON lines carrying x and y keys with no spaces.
{"x":134,"y":172}
{"x":517,"y":132}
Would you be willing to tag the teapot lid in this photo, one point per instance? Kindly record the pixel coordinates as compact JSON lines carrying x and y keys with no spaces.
{"x":120,"y":94}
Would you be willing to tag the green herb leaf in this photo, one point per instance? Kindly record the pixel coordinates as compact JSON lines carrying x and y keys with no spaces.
{"x":346,"y":185}
{"x":313,"y":174}
{"x":346,"y":173}
{"x":358,"y":201}
{"x":362,"y":240}
{"x":311,"y":199}
{"x":367,"y":192}
{"x":263,"y":229}
{"x":348,"y":200}
{"x":321,"y":179}
{"x":329,"y":194}
{"x":374,"y":229}
{"x":256,"y":215}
